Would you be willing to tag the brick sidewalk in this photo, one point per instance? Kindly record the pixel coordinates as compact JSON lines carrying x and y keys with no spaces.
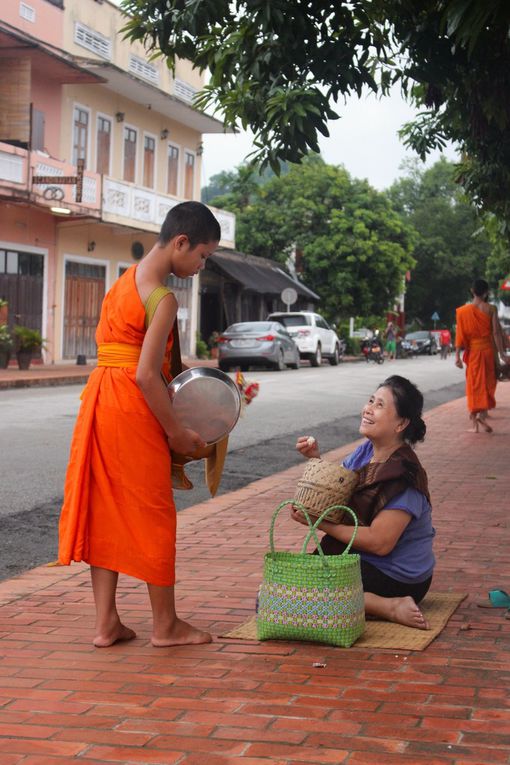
{"x":40,"y":375}
{"x":43,"y":375}
{"x":235,"y":703}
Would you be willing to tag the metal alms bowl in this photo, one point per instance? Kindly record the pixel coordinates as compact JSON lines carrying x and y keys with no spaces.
{"x":206,"y":400}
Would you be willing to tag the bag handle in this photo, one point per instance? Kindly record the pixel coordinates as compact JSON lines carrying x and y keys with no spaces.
{"x":312,"y":527}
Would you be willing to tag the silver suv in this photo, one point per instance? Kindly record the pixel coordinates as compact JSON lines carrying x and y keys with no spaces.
{"x":312,"y":335}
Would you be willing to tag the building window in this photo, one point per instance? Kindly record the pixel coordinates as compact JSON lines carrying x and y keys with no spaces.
{"x":80,"y":134}
{"x":189,"y":175}
{"x":149,"y":151}
{"x":27,"y":12}
{"x":129,"y":154}
{"x":92,"y":40}
{"x":173,"y":170}
{"x":104,"y":144}
{"x":143,"y":69}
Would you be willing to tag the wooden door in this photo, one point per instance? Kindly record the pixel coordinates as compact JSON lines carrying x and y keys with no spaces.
{"x":21,"y":284}
{"x":84,"y":293}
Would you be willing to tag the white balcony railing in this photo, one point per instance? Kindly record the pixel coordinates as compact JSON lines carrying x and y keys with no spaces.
{"x":129,"y":204}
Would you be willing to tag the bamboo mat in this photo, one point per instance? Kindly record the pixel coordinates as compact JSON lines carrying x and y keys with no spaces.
{"x":437,"y":607}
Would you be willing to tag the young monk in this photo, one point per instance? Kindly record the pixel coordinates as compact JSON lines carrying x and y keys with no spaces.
{"x":479,"y":334}
{"x":119,"y":513}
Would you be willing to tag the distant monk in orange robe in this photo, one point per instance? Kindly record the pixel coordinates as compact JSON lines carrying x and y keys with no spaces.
{"x":478,"y":335}
{"x":119,"y":512}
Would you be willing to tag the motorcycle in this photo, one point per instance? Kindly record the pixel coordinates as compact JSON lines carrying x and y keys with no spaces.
{"x":372,"y":350}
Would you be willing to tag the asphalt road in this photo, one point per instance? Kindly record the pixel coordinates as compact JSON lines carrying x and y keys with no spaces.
{"x":36,"y":428}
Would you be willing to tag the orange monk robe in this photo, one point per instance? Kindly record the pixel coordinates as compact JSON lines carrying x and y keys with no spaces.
{"x":118,"y":510}
{"x":474,"y":334}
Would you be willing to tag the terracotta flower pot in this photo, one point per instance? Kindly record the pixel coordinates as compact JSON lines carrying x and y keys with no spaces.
{"x":5,"y":355}
{"x":24,"y":359}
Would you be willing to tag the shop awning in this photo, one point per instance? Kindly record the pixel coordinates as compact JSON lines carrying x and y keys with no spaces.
{"x":259,"y":274}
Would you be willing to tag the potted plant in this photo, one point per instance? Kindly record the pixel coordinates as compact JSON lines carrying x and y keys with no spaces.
{"x":213,"y":344}
{"x":28,"y":342}
{"x":5,"y":346}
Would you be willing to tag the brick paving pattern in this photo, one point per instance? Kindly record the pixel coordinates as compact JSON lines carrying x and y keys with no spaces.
{"x":245,"y":703}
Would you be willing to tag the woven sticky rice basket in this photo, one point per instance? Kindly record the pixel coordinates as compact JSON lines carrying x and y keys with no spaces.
{"x":324,"y":484}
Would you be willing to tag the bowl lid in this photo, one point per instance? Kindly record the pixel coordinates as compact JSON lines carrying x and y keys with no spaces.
{"x":206,"y":400}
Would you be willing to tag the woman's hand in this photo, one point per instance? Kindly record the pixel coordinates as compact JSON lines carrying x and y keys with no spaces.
{"x":185,"y":441}
{"x":298,"y":516}
{"x":308,"y":447}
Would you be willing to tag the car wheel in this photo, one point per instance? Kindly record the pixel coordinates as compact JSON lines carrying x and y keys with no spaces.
{"x":316,"y":359}
{"x":280,"y":364}
{"x":335,"y":358}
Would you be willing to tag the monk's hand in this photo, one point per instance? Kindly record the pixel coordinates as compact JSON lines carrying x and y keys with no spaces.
{"x":458,"y":363}
{"x":185,"y":441}
{"x":308,"y":446}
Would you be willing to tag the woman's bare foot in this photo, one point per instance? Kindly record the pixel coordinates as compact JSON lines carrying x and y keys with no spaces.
{"x":405,"y":611}
{"x":400,"y":610}
{"x":180,"y":633}
{"x":108,"y":637}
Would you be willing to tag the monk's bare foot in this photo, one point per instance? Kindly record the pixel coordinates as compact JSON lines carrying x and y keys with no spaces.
{"x":474,"y":424}
{"x":109,"y":637}
{"x":405,"y":611}
{"x":485,"y":425}
{"x":180,"y":633}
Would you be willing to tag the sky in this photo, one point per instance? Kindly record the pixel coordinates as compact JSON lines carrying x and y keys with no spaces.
{"x":365,"y":141}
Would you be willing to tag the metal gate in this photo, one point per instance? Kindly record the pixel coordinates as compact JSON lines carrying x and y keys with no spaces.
{"x":84,"y":293}
{"x":21,"y":284}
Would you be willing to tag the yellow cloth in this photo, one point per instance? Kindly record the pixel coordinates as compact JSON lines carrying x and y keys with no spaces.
{"x":120,"y":355}
{"x":214,"y":456}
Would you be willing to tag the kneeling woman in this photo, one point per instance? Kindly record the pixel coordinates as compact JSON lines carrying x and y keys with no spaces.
{"x":392,"y":503}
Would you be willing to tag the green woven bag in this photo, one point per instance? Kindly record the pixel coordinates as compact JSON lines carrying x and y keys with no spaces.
{"x":311,"y":597}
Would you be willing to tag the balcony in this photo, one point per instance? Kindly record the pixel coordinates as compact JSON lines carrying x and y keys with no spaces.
{"x":17,"y":168}
{"x":127,"y":204}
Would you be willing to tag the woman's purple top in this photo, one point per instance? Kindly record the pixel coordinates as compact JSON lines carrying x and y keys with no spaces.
{"x":411,"y":560}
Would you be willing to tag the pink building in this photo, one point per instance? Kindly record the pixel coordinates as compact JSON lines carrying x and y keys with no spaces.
{"x":96,"y":144}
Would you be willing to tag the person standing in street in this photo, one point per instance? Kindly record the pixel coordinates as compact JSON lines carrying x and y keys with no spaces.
{"x":391,"y":340}
{"x":478,"y":334}
{"x":119,"y":514}
{"x":445,"y":341}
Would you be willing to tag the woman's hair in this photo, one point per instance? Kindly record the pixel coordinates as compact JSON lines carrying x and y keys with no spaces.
{"x":480,"y":288}
{"x":194,"y":220}
{"x":409,"y":405}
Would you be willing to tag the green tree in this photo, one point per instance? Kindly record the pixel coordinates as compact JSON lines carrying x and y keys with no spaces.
{"x":278,"y":66}
{"x":498,"y":262}
{"x":355,"y":247}
{"x":451,"y":249}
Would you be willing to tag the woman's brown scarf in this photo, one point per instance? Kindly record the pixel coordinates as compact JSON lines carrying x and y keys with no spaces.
{"x":381,"y":481}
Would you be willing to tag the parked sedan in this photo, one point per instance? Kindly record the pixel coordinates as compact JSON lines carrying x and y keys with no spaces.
{"x":255,"y":343}
{"x":422,"y":342}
